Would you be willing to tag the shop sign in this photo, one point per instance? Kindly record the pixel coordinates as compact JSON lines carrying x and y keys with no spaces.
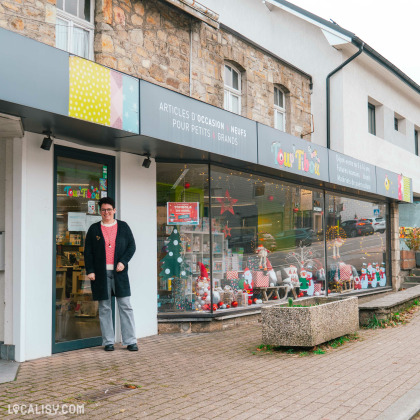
{"x":176,"y":118}
{"x":393,"y":185}
{"x":283,"y":151}
{"x":182,"y":213}
{"x":92,"y":192}
{"x":352,"y":173}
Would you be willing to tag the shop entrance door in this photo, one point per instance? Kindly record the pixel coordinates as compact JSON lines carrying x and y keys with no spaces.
{"x":81,"y":179}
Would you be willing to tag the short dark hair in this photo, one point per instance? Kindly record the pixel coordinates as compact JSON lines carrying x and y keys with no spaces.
{"x":106,"y":200}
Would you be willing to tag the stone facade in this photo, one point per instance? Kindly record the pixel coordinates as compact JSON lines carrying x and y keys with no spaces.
{"x":160,"y":43}
{"x":32,"y":18}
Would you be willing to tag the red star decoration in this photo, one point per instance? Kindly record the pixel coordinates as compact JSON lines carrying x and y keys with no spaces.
{"x":226,"y":230}
{"x":227,"y":203}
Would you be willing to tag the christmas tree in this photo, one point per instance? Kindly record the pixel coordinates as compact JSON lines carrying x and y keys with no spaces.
{"x":174,"y":268}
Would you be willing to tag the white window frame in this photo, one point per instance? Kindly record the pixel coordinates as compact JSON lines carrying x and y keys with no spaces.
{"x":278,"y":110}
{"x":75,"y":21}
{"x":231,"y":92}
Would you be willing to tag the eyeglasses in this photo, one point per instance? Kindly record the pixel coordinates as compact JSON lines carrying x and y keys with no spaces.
{"x":106,"y":210}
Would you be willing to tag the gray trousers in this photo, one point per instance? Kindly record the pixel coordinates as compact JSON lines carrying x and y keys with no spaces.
{"x":126,"y":316}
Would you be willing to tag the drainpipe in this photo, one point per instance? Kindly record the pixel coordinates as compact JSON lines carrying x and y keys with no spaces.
{"x":328,"y":91}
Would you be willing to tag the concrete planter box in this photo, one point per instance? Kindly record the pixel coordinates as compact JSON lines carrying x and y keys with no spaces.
{"x":310,"y":325}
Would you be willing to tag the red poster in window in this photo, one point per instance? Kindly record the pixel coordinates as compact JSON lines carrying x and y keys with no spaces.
{"x":182,"y":213}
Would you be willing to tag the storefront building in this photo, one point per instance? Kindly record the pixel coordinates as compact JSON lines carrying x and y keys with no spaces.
{"x":225,"y":208}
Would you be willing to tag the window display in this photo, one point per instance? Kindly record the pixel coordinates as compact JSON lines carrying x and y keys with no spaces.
{"x":254,"y":239}
{"x":356,"y":244}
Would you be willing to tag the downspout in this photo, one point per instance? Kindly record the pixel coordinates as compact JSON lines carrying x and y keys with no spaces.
{"x":328,"y":91}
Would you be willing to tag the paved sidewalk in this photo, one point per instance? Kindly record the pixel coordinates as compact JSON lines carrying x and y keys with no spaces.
{"x":216,"y":376}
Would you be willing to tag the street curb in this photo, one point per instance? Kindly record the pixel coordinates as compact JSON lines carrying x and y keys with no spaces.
{"x":404,"y":408}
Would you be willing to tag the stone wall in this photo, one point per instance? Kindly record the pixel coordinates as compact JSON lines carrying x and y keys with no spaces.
{"x":32,"y":18}
{"x":160,"y":43}
{"x":152,"y":41}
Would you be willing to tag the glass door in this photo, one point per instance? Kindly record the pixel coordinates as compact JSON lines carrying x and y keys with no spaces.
{"x":81,"y":180}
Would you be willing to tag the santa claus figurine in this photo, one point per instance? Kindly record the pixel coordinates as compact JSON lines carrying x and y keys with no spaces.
{"x":248,"y":282}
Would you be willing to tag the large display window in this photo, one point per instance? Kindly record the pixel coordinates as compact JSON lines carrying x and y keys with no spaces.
{"x":229,"y":239}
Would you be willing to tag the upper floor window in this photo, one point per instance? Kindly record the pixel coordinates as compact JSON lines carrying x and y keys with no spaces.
{"x":232,"y":99}
{"x":74,"y":27}
{"x":279,"y":109}
{"x":395,"y":123}
{"x":371,"y":119}
{"x":416,"y":142}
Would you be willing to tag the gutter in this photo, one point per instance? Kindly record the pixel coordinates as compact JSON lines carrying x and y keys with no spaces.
{"x":328,"y":91}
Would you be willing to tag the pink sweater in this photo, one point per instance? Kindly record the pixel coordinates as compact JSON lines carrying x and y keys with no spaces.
{"x":110,"y":235}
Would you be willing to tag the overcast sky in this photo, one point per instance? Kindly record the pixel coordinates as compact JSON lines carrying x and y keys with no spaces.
{"x":390,"y":27}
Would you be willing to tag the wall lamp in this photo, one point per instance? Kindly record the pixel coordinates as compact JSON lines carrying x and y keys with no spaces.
{"x":47,"y":142}
{"x":146,"y":162}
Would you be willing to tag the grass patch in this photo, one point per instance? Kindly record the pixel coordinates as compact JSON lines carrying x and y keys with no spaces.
{"x":395,"y":319}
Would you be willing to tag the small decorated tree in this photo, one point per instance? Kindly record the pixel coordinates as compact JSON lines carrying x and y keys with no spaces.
{"x":175,"y":269}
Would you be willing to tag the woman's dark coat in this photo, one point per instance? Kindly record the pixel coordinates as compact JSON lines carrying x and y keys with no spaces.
{"x":95,"y":260}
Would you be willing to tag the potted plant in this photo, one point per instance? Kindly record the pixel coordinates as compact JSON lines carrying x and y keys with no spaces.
{"x":412,"y":241}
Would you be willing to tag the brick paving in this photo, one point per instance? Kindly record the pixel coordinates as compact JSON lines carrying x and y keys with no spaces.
{"x":217,"y":376}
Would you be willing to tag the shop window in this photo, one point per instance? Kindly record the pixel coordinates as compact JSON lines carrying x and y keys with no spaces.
{"x":356,"y":244}
{"x":232,"y":93}
{"x":183,"y":236}
{"x":74,"y":27}
{"x":279,"y":109}
{"x":251,"y":238}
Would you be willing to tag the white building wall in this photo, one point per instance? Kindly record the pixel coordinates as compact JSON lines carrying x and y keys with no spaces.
{"x":389,"y":149}
{"x":137,"y":195}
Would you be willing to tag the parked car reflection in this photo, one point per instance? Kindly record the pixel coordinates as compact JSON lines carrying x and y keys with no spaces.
{"x":357,"y":227}
{"x":294,"y":237}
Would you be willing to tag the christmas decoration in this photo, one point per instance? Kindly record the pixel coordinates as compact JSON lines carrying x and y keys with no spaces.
{"x":270,"y":198}
{"x":262,"y":253}
{"x":248,"y":283}
{"x":227,"y":203}
{"x":382,"y":275}
{"x":234,"y":304}
{"x":259,"y":279}
{"x":202,"y":290}
{"x":187,"y":185}
{"x":364,"y":277}
{"x":175,"y":269}
{"x":226,"y":230}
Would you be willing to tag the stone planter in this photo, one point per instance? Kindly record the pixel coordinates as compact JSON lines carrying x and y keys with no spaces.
{"x":408,"y":260}
{"x":310,"y":325}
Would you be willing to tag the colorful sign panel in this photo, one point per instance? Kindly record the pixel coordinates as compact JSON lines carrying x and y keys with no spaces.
{"x":182,"y":213}
{"x":394,"y":185}
{"x":172,"y":117}
{"x":103,"y":96}
{"x":283,"y":151}
{"x":351,"y":172}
